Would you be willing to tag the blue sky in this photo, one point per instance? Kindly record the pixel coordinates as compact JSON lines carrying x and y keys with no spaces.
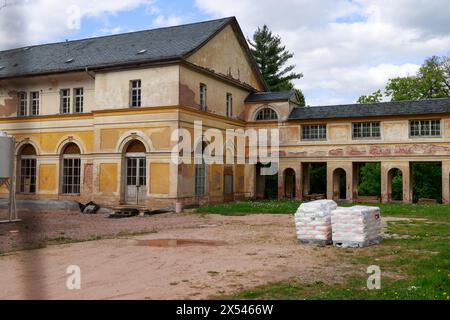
{"x":344,"y":48}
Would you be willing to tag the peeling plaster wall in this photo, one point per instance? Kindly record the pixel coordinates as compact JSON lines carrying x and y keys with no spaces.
{"x":216,"y":93}
{"x":49,"y":90}
{"x":225,"y":55}
{"x":159,"y":87}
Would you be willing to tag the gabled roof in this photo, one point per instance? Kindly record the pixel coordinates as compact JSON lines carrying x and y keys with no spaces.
{"x":148,"y":46}
{"x":270,"y":96}
{"x":421,"y":107}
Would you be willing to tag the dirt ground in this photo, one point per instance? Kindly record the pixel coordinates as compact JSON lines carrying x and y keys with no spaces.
{"x":257,"y":249}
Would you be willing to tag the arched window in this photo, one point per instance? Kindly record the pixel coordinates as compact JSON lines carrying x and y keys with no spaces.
{"x":71,"y":165}
{"x":266,"y":114}
{"x":136,"y":172}
{"x":27,"y":171}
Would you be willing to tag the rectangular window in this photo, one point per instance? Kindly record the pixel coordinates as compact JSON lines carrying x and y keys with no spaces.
{"x":425,"y":128}
{"x":79,"y":100}
{"x":28,"y":175}
{"x":229,"y":105}
{"x":71,"y":176}
{"x":314,"y":132}
{"x":362,"y":130}
{"x":23,"y":104}
{"x":200,"y":179}
{"x":65,"y":101}
{"x":135,"y":93}
{"x":34,"y":99}
{"x":202,"y":97}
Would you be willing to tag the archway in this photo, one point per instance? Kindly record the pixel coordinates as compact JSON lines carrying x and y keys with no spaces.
{"x":27,"y":169}
{"x":395,"y":185}
{"x":135,"y":173}
{"x":339,"y":184}
{"x":289,"y":183}
{"x":71,"y":169}
{"x":266,"y":185}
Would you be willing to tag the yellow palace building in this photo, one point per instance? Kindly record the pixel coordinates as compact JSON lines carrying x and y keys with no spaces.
{"x":93,"y":120}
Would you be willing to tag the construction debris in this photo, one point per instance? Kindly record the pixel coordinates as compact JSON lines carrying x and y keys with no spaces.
{"x":313,"y":222}
{"x":356,"y":227}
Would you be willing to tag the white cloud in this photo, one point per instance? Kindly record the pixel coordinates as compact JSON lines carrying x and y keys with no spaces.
{"x":342,"y":58}
{"x":167,"y":21}
{"x":28,"y":22}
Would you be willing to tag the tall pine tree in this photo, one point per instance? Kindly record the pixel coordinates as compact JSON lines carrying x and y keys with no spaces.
{"x":271,"y":57}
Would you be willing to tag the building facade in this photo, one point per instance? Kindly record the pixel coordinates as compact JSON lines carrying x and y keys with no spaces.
{"x":94,"y":118}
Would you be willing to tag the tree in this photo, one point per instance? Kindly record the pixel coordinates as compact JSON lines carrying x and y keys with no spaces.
{"x":430,"y":82}
{"x":377,"y":96}
{"x":300,"y":97}
{"x":272,"y":57}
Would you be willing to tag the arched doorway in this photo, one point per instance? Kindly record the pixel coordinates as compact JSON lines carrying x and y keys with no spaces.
{"x":135,"y":178}
{"x":27,"y":169}
{"x":339,"y":184}
{"x":71,"y":169}
{"x":395,"y":185}
{"x":266,"y":185}
{"x":289,"y":183}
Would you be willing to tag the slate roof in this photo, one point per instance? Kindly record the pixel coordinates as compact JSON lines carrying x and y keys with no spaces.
{"x":160,"y":44}
{"x":420,"y":107}
{"x":270,"y":96}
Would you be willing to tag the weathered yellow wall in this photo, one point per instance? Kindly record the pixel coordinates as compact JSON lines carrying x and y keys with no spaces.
{"x":48,"y":142}
{"x":108,"y":177}
{"x":216,"y":93}
{"x":239,"y":180}
{"x":224,"y":54}
{"x":49,"y":88}
{"x":159,"y":87}
{"x":160,"y":137}
{"x":341,"y":132}
{"x":216,"y":180}
{"x":47,"y":177}
{"x":159,"y":178}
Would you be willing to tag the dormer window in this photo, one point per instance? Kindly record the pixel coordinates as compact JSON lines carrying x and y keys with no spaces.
{"x":266,"y":114}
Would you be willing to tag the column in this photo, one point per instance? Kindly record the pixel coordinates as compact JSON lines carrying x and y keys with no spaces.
{"x":385,"y":182}
{"x":407,"y":183}
{"x":281,"y":183}
{"x":298,"y":182}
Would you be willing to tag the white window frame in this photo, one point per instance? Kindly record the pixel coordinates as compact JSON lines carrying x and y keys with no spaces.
{"x":366,"y":130}
{"x":78,"y":100}
{"x":22,"y":110}
{"x":64,"y":101}
{"x":425,"y":128}
{"x":35,"y":97}
{"x":135,"y":93}
{"x":266,"y":114}
{"x":28,"y":164}
{"x":75,"y":185}
{"x":314,"y":132}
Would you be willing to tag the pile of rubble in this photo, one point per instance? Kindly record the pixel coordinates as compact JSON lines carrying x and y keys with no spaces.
{"x":322,"y":222}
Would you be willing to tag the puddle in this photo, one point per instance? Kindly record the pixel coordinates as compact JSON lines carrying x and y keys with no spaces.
{"x":178,"y":242}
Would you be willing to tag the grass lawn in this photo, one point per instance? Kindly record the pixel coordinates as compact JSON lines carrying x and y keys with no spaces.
{"x":414,"y":259}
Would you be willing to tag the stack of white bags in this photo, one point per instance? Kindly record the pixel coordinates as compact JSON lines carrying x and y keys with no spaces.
{"x":313,"y":222}
{"x":357,"y":226}
{"x":322,"y":222}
